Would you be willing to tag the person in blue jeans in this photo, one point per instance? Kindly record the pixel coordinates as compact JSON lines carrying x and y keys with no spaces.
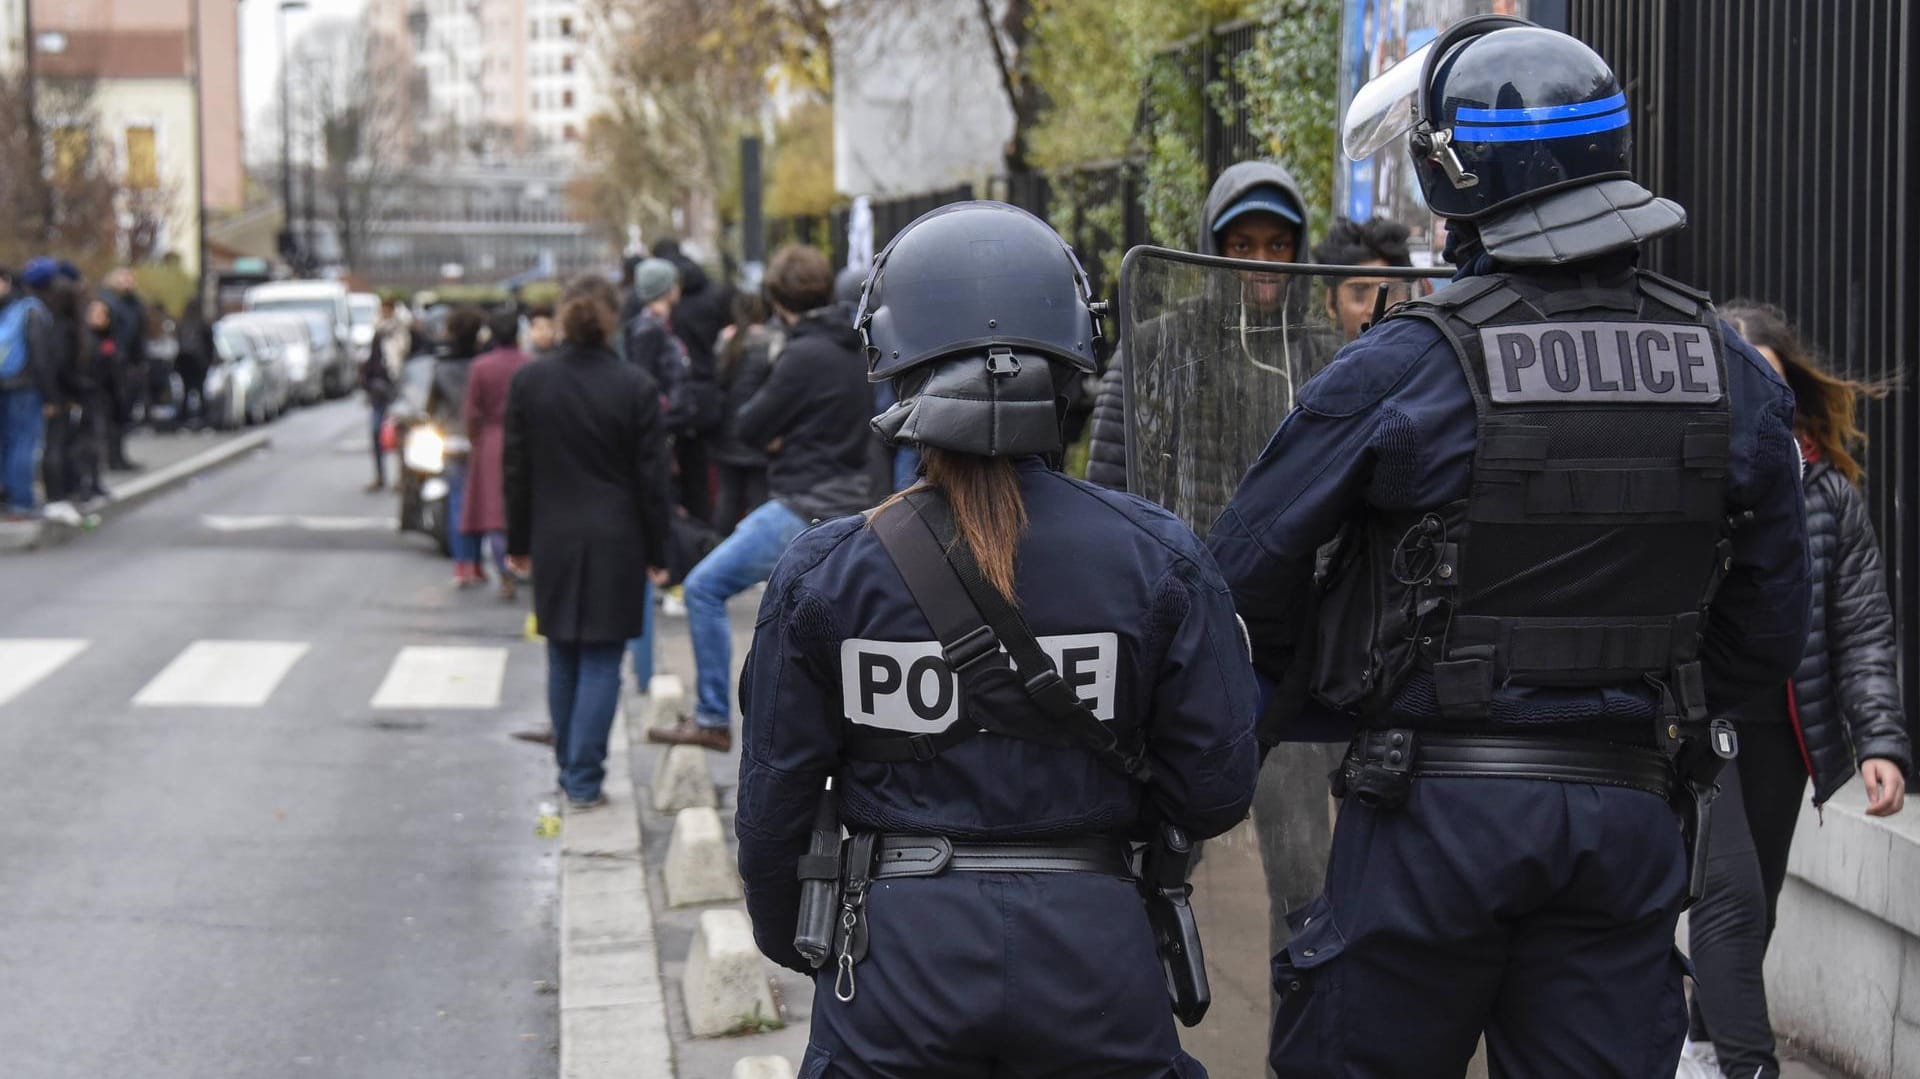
{"x":811,"y":415}
{"x":584,"y":466}
{"x":26,"y":388}
{"x":446,"y":406}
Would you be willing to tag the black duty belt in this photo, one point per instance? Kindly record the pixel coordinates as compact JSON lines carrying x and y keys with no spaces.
{"x":930,"y":856}
{"x":1379,"y":757}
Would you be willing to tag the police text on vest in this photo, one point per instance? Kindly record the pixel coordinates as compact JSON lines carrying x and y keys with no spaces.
{"x":907,"y":685}
{"x":1566,"y":362}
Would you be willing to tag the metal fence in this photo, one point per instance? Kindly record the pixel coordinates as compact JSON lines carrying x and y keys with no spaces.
{"x":1787,"y":128}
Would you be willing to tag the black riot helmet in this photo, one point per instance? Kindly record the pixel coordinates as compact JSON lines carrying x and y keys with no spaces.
{"x":980,"y":315}
{"x":1503,"y":116}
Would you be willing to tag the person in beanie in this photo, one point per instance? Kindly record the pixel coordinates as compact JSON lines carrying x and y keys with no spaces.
{"x":27,"y":392}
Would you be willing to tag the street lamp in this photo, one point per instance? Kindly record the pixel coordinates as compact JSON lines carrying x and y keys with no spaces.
{"x":286,"y":129}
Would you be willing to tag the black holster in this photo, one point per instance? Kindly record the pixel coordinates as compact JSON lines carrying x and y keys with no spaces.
{"x":1164,"y":867}
{"x":1696,"y":769}
{"x":819,"y":874}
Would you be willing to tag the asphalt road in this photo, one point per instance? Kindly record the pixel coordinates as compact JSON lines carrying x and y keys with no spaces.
{"x":259,"y":813}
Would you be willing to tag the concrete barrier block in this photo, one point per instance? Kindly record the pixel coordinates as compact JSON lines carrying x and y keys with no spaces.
{"x":726,"y":979}
{"x":699,"y":866}
{"x":763,"y":1068}
{"x":666,"y":699}
{"x":681,"y":780}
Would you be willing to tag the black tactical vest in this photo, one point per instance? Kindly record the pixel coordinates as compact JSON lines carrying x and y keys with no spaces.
{"x":1594,"y":532}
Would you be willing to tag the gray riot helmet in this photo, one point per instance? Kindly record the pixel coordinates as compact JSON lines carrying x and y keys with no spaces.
{"x":980,"y":315}
{"x":847,"y":286}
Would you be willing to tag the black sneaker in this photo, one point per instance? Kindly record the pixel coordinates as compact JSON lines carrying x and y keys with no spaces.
{"x":576,"y":805}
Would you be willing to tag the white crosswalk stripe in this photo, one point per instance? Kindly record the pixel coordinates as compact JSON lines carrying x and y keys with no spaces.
{"x":25,"y":661}
{"x":222,"y":674}
{"x":426,"y":676}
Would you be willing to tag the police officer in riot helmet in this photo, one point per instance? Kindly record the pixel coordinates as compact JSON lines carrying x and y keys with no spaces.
{"x":1008,"y":675}
{"x":1574,"y":536}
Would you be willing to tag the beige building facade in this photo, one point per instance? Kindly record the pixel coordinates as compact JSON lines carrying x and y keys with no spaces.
{"x":164,"y":77}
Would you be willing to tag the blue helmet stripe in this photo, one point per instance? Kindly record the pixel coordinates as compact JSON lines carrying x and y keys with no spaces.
{"x":1534,"y":132}
{"x":1544,"y":112}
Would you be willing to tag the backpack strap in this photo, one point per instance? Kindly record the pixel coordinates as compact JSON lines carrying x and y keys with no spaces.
{"x":973,"y":622}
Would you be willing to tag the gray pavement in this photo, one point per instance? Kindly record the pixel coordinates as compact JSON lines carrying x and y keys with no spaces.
{"x":222,"y":859}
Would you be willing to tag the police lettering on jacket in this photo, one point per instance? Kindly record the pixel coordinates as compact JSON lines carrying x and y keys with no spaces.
{"x":1641,"y":362}
{"x":907,"y":686}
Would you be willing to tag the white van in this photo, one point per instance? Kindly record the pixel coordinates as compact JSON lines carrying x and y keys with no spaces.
{"x":329,"y":300}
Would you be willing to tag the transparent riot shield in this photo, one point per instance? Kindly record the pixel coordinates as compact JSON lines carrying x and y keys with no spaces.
{"x":1216,"y":352}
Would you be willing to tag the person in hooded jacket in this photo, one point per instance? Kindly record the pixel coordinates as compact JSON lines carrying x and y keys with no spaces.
{"x":1254,"y":211}
{"x":446,"y":407}
{"x":1840,"y":714}
{"x":811,"y":416}
{"x":704,"y":310}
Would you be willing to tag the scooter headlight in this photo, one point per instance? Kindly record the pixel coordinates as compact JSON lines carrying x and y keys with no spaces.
{"x":425,"y":450}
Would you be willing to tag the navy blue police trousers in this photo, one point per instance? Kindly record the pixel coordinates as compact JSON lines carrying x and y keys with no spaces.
{"x":1541,"y":913}
{"x":1002,"y":975}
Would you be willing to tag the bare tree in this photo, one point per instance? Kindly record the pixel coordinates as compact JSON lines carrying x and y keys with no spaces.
{"x":357,"y":126}
{"x":64,"y":185}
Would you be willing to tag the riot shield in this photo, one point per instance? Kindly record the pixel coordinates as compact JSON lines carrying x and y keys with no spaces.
{"x":1215,"y":353}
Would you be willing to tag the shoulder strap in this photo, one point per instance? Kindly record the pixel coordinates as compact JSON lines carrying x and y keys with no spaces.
{"x":973,"y":622}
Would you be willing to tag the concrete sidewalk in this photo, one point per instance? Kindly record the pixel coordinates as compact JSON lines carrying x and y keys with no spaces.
{"x":167,"y":460}
{"x":624,"y":949}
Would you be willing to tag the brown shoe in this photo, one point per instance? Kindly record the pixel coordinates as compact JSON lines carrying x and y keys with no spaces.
{"x":688,"y":733}
{"x":509,"y":589}
{"x":544,"y":736}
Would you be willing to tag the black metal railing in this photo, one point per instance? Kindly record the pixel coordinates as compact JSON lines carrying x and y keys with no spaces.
{"x":1790,"y":131}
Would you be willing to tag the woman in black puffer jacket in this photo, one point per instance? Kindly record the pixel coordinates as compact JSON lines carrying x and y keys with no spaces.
{"x":1841,"y":710}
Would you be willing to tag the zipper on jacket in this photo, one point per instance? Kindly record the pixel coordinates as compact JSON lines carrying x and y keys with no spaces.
{"x":1806,"y":758}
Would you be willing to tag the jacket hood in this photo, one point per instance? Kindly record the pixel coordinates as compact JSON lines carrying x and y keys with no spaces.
{"x":832,"y":322}
{"x":1233,"y":184}
{"x":692,"y":278}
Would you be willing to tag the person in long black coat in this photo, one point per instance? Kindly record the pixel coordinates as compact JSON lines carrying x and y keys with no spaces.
{"x":588,"y":503}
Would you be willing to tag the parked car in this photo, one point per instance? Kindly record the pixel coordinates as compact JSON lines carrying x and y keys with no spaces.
{"x":291,"y":334}
{"x":234,"y":373}
{"x":364,"y":307}
{"x":329,"y":300}
{"x":423,"y":484}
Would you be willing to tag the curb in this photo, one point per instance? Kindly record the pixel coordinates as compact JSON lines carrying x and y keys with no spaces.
{"x":141,"y":488}
{"x":41,"y":534}
{"x":613,"y":1016}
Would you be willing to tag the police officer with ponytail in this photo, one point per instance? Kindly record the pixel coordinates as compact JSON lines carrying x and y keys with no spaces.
{"x":1011,"y":677}
{"x":1571,"y":534}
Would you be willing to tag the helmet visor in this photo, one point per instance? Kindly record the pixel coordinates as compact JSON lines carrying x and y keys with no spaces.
{"x":1383,"y":109}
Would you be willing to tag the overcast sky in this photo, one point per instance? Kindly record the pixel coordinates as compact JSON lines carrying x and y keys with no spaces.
{"x":260,"y":53}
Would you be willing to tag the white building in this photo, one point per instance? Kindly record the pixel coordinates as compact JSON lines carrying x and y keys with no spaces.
{"x":523,"y":68}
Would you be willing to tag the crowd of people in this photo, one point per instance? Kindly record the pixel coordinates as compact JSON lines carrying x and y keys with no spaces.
{"x":670,"y":432}
{"x":80,"y":367}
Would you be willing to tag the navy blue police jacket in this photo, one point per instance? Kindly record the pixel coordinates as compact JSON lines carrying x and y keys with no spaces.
{"x":1121,"y":594}
{"x":1389,"y":425}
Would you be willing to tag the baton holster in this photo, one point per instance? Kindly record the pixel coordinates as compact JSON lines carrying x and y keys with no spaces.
{"x":819,"y":874}
{"x":1164,"y":866}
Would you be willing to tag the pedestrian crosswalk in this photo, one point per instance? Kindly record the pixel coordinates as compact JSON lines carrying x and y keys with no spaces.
{"x":23,"y":663}
{"x":230,"y":674}
{"x":222,"y":674}
{"x":429,"y":677}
